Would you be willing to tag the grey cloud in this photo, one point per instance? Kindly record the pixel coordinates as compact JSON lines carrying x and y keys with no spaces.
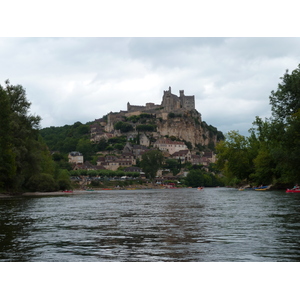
{"x":231,"y":78}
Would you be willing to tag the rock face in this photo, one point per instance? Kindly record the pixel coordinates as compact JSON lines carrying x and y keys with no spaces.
{"x":176,"y":116}
{"x":189,"y":128}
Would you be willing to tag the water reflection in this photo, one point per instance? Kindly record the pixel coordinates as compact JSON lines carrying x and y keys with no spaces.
{"x":15,"y":226}
{"x":150,"y":225}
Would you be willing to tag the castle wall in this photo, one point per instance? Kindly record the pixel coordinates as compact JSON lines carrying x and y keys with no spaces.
{"x":171,"y":102}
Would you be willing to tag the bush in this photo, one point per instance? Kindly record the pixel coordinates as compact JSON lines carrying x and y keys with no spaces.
{"x":123,"y":126}
{"x":64,"y":184}
{"x":42,"y":183}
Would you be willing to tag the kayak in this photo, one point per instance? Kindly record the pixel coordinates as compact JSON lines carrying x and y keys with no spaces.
{"x":293,"y":191}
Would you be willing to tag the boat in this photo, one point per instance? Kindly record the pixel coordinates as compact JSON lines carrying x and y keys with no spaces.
{"x":200,"y":188}
{"x":68,"y":191}
{"x":292,"y":190}
{"x":262,"y":188}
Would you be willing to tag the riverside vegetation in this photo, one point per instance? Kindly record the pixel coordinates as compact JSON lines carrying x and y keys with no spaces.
{"x":34,"y":159}
{"x":269,"y":155}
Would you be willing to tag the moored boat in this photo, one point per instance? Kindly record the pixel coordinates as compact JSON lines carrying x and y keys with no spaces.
{"x":262,"y":188}
{"x":292,"y":190}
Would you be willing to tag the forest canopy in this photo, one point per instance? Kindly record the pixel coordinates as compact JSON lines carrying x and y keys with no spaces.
{"x":25,"y":161}
{"x":271,"y":154}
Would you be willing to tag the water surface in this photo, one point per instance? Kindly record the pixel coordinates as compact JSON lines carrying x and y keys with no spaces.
{"x":215,"y":224}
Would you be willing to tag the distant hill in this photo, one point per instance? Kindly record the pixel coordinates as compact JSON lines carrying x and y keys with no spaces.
{"x":176,"y":118}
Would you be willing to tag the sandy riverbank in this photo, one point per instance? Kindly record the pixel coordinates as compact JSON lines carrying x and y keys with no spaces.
{"x":58,"y":193}
{"x":78,"y":192}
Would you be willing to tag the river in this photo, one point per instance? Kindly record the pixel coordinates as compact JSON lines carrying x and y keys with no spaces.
{"x":171,"y":225}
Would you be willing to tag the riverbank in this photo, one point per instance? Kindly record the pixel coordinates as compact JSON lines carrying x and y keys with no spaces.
{"x":77,"y":192}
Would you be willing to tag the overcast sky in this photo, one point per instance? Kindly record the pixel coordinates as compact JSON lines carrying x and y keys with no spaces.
{"x":82,"y":79}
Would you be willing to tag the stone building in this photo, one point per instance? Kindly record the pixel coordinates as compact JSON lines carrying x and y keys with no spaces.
{"x":170,"y":146}
{"x":75,"y":157}
{"x":171,"y":102}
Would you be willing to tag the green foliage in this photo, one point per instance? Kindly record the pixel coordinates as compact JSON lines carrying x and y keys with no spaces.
{"x":123,"y":126}
{"x":64,"y":181}
{"x":42,"y":183}
{"x":85,"y":147}
{"x":151,"y":162}
{"x":22,"y":152}
{"x":271,"y":154}
{"x":196,"y":178}
{"x":101,"y":146}
{"x":189,"y":145}
{"x":174,"y":165}
{"x":118,"y":146}
{"x":146,"y":127}
{"x":286,"y":100}
{"x":68,"y":138}
{"x":234,"y":157}
{"x":172,"y":115}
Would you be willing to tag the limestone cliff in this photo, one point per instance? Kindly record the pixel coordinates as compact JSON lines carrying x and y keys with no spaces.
{"x":176,"y":116}
{"x":190,"y":128}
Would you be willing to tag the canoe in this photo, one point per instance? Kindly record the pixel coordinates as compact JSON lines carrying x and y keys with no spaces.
{"x":262,"y":188}
{"x":293,"y":191}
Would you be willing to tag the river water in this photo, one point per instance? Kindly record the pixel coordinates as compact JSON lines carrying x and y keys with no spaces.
{"x":186,"y":225}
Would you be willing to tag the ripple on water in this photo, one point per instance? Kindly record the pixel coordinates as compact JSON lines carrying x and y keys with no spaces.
{"x":216,"y":224}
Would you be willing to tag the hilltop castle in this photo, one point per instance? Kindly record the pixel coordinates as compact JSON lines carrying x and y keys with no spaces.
{"x":176,"y":116}
{"x":170,"y":103}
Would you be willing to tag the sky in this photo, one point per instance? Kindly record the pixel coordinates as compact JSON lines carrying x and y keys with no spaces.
{"x":82,"y":78}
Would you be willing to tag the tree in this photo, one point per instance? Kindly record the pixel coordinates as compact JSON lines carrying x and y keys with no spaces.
{"x":174,"y":165}
{"x":195,"y":178}
{"x":123,"y":126}
{"x":8,"y":165}
{"x":286,"y":100}
{"x":234,"y":156}
{"x":151,"y":162}
{"x":63,"y":180}
{"x":85,"y":147}
{"x":22,"y":153}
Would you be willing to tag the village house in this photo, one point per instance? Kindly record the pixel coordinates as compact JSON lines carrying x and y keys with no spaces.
{"x":139,"y":150}
{"x":144,"y":140}
{"x":111,"y":162}
{"x":170,"y":146}
{"x":204,"y":161}
{"x":75,"y":157}
{"x":196,"y":159}
{"x":183,"y":155}
{"x":210,"y":156}
{"x":136,"y":150}
{"x":87,"y":166}
{"x":133,"y":169}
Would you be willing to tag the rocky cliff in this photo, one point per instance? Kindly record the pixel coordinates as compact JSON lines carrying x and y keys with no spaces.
{"x":181,"y":125}
{"x":190,"y":128}
{"x":175,"y":117}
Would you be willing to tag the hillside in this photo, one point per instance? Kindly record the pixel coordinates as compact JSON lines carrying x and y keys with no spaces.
{"x":175,"y":118}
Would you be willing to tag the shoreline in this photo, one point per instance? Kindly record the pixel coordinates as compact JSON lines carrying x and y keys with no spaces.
{"x":74,"y":192}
